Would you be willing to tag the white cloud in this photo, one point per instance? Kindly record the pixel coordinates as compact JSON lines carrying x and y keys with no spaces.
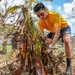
{"x":20,"y":2}
{"x":59,"y":8}
{"x":68,"y":7}
{"x":15,"y":2}
{"x":73,"y":0}
{"x":69,"y":14}
{"x":48,"y":5}
{"x":12,"y":2}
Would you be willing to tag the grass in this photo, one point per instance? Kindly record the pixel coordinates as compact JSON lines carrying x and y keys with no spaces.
{"x":7,"y":55}
{"x":9,"y":47}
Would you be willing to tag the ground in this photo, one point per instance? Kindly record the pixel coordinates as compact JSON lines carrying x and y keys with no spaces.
{"x":62,"y":66}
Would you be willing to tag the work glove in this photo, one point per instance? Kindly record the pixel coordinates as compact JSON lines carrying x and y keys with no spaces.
{"x":50,"y":48}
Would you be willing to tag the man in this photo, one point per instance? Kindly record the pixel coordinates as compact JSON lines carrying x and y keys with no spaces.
{"x":14,"y":42}
{"x":58,"y":28}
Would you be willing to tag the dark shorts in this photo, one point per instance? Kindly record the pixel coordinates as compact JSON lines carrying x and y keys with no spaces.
{"x":63,"y":31}
{"x":14,"y":43}
{"x":14,"y":46}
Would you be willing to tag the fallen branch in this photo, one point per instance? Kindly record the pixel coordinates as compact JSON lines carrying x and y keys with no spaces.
{"x":8,"y":64}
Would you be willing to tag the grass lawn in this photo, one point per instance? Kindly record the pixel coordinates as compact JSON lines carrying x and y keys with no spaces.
{"x":8,"y":55}
{"x":8,"y":48}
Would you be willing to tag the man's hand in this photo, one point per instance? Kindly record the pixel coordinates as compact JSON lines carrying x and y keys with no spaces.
{"x":50,"y":48}
{"x":56,"y":36}
{"x":43,"y":37}
{"x":48,"y":51}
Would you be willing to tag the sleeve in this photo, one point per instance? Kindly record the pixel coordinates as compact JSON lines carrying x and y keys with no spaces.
{"x":40,"y":27}
{"x":57,"y":20}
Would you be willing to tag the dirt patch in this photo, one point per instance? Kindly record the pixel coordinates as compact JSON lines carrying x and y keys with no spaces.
{"x":63,"y":65}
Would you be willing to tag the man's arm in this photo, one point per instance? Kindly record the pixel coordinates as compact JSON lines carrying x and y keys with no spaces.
{"x":42,"y":34}
{"x":56,"y":36}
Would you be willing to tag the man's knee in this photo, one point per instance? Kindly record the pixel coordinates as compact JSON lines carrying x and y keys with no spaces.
{"x":66,"y":39}
{"x":49,"y":40}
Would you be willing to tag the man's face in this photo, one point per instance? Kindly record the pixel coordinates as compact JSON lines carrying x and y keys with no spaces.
{"x":42,"y":14}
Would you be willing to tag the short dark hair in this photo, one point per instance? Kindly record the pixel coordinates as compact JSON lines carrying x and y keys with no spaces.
{"x":39,"y":6}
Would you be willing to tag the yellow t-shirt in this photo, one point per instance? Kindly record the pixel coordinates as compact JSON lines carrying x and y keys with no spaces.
{"x":52,"y":21}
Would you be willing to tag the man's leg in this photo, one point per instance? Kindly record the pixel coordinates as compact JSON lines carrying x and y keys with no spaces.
{"x":50,"y":37}
{"x":67,"y":40}
{"x":49,"y":40}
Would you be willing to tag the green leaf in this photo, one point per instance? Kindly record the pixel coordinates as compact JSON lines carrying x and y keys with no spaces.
{"x":35,"y":1}
{"x":13,"y":9}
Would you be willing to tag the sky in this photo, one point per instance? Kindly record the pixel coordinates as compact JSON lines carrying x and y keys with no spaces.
{"x":63,"y":7}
